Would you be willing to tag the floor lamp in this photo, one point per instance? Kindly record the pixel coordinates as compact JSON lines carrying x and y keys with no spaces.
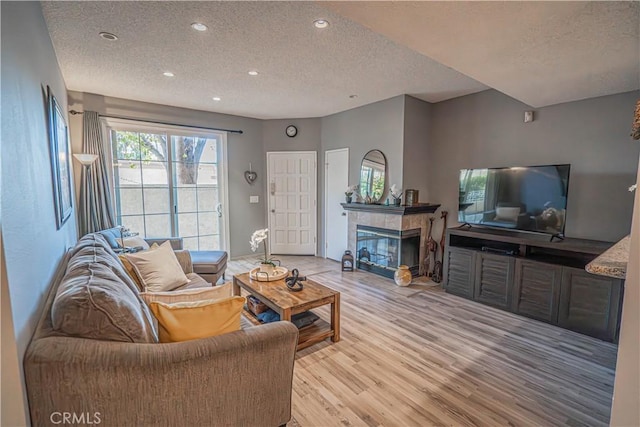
{"x":86,"y":192}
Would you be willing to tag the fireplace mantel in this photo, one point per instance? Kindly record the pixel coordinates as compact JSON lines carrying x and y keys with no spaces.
{"x":419,"y":208}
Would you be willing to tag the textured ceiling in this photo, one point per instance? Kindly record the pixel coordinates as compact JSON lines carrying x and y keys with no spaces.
{"x":541,"y":53}
{"x":304,"y":72}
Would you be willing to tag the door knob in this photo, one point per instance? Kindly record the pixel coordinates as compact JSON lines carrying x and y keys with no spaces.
{"x":273,"y":211}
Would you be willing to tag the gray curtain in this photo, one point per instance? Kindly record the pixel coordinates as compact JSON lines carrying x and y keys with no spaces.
{"x":96,"y":204}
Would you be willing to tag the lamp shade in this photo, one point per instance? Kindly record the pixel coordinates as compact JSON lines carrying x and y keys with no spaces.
{"x":86,"y":159}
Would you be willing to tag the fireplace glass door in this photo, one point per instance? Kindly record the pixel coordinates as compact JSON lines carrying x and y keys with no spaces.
{"x":381,"y":250}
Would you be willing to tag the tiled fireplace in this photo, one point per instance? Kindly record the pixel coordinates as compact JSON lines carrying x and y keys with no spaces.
{"x":381,"y":250}
{"x":390,"y":234}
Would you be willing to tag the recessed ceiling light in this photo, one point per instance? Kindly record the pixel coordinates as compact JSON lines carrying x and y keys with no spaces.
{"x":216,"y":98}
{"x":321,"y":23}
{"x":108,"y":36}
{"x":199,"y":26}
{"x":168,"y":74}
{"x":253,"y":73}
{"x":353,"y":96}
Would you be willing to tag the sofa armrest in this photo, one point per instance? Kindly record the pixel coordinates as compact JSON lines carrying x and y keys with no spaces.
{"x":176,"y":242}
{"x":241,"y":378}
{"x":184,"y":258}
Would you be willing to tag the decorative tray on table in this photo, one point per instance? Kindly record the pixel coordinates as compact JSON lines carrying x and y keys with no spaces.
{"x":278,"y":273}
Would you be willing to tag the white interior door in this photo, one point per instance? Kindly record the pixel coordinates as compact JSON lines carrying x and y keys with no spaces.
{"x":336,"y":180}
{"x":292,"y":202}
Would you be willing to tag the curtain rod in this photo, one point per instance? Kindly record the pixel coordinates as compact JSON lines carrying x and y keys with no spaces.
{"x":238,"y":131}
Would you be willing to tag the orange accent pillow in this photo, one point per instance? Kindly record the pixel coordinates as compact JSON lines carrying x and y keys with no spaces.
{"x":184,"y":321}
{"x":131,"y":271}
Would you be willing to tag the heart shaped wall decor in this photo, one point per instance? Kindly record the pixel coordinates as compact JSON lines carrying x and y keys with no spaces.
{"x":250,"y":177}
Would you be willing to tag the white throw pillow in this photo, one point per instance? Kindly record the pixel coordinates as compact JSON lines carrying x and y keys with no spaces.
{"x":135,"y":241}
{"x":158,"y":269}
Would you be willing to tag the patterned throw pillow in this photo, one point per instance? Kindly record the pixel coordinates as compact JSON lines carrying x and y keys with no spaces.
{"x":189,"y":295}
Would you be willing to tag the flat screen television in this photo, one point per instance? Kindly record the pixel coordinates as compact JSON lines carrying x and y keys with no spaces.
{"x":532,"y":198}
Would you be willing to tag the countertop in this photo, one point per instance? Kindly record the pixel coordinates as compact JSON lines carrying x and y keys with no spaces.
{"x":612,"y":262}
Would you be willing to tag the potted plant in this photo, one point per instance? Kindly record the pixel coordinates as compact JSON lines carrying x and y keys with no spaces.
{"x":266,"y":264}
{"x":396,"y":193}
{"x":349,"y":192}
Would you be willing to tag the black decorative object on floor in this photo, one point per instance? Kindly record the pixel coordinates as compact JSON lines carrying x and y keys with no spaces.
{"x":347,"y":261}
{"x":437,"y":270}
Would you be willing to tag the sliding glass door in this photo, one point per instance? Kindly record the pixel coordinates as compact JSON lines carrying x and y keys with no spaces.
{"x":170,"y":182}
{"x":197,"y":191}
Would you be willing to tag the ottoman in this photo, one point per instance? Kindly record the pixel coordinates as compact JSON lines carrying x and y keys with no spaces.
{"x":209,"y":264}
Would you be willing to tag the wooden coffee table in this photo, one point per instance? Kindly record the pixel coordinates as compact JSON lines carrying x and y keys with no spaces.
{"x":286,"y":303}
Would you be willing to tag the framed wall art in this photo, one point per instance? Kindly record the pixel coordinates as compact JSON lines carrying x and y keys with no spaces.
{"x":60,"y":160}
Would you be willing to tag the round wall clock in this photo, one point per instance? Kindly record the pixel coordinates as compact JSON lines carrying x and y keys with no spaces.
{"x":291,"y":131}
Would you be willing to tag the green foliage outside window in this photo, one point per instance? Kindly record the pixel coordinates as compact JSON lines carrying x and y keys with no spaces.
{"x":153,"y":148}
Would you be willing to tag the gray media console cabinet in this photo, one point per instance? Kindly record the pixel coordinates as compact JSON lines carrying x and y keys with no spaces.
{"x":529,"y":275}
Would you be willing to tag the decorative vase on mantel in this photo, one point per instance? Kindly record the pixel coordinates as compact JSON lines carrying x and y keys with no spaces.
{"x":402,"y":276}
{"x":348,"y":199}
{"x":396,"y":201}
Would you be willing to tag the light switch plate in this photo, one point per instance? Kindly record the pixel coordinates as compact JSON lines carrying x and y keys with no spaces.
{"x":254,"y":199}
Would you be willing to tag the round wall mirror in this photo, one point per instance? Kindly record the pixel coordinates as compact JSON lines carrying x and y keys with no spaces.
{"x":372,"y":175}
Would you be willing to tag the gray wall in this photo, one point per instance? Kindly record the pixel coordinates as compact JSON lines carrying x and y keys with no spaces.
{"x":242,"y":149}
{"x":375,"y":126}
{"x":308,"y":138}
{"x":33,"y":247}
{"x":416,"y":161}
{"x":487,"y":129}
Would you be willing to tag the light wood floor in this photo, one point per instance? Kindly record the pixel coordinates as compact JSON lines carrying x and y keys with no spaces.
{"x":418,"y":356}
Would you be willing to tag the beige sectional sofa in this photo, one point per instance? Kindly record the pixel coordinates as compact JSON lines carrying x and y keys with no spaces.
{"x":95,"y":352}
